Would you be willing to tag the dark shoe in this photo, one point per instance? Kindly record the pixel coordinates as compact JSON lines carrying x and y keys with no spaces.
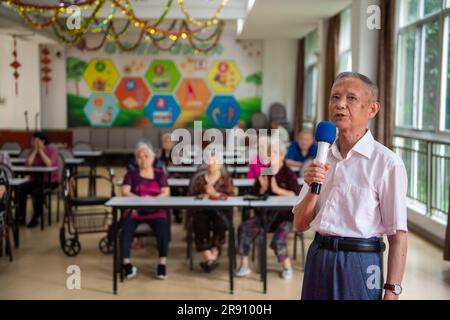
{"x":161,"y":272}
{"x":130,"y":270}
{"x":33,"y":223}
{"x":209,"y":265}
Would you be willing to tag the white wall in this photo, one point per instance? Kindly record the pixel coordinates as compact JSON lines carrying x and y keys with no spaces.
{"x":54,"y":104}
{"x":28,"y":98}
{"x":279,"y":74}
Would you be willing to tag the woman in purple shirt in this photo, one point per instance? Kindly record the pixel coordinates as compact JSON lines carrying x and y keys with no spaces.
{"x":42,"y":154}
{"x":145,"y":181}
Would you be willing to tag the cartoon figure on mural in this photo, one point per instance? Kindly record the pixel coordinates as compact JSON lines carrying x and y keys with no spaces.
{"x":190,"y":93}
{"x":163,"y":77}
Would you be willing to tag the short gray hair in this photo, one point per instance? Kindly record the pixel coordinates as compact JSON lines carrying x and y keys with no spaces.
{"x":281,"y":145}
{"x":165,"y":136}
{"x":144,"y":145}
{"x":370,"y":85}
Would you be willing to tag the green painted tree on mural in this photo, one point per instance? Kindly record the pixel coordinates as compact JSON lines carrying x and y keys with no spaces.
{"x":256,"y":79}
{"x":75,"y":68}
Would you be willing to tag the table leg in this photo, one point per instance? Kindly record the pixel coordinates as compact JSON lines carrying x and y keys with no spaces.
{"x":114,"y":231}
{"x":16,"y":217}
{"x":50,"y":199}
{"x":232,"y":254}
{"x":43,"y":195}
{"x":264,"y":252}
{"x":95,"y":173}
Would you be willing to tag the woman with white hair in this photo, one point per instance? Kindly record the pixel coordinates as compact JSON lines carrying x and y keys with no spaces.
{"x":145,"y":181}
{"x":282,"y":181}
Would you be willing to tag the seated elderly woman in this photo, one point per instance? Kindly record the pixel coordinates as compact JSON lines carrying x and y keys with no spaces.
{"x":164,"y":155}
{"x":145,"y":181}
{"x":45,"y":154}
{"x":212,"y":183}
{"x":282,"y":181}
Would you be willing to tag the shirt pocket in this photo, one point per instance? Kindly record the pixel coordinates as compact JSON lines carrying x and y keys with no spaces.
{"x":358,"y":205}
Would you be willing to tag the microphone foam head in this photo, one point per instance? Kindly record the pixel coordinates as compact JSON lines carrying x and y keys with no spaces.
{"x":326,"y":132}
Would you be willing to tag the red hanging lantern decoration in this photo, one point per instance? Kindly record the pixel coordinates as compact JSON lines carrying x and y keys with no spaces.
{"x":15,"y":65}
{"x":45,"y":69}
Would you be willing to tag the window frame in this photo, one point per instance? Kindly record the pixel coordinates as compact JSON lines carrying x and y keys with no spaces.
{"x":418,"y":27}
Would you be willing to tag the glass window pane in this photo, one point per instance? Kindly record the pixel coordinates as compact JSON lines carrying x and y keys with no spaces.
{"x":405,"y":79}
{"x":345,"y":62}
{"x":345,"y":30}
{"x":430,"y":102}
{"x":310,"y":102}
{"x":311,"y":48}
{"x":408,"y":11}
{"x":431,"y":6}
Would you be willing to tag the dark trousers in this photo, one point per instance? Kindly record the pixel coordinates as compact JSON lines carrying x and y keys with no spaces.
{"x":342,"y":275}
{"x":33,"y":188}
{"x":159,"y":227}
{"x":205,"y":221}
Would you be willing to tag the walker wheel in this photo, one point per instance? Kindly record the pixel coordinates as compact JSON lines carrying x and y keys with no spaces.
{"x":71,"y":247}
{"x":105,"y":246}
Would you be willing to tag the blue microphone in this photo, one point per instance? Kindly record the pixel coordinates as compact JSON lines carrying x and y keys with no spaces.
{"x":325,"y":136}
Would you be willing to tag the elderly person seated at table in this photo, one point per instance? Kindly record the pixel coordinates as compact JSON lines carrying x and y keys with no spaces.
{"x":164,"y":155}
{"x":42,"y":154}
{"x":257,"y":162}
{"x":302,"y":150}
{"x":213,"y":183}
{"x":282,"y":181}
{"x":145,"y":181}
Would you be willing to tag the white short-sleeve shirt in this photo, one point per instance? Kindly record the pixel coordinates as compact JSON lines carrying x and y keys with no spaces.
{"x":364,"y":195}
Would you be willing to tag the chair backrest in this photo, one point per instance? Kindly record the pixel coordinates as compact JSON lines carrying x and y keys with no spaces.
{"x":5,"y":158}
{"x":193,"y":179}
{"x":11,"y":146}
{"x":82,"y":146}
{"x":61,"y":166}
{"x":6,"y":175}
{"x":24,"y":153}
{"x":277,"y":112}
{"x":259,"y":120}
{"x":66,"y":153}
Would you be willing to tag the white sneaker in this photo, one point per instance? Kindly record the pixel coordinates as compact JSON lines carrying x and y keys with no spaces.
{"x":243,"y":272}
{"x":286,"y":274}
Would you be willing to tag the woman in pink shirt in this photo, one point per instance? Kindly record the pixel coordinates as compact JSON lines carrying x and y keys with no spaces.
{"x":42,"y":154}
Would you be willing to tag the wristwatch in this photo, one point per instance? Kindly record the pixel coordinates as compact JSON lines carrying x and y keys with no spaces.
{"x":395,"y":288}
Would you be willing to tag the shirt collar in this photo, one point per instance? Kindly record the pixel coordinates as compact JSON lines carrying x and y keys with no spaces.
{"x":364,"y":146}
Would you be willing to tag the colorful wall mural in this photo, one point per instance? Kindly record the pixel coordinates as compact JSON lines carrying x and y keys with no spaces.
{"x":149,"y":87}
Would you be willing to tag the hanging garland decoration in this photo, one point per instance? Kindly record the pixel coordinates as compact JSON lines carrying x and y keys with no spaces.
{"x":15,"y":65}
{"x":149,"y":31}
{"x":202,"y":24}
{"x":28,"y":6}
{"x":212,"y":45}
{"x":100,"y":26}
{"x":45,"y":61}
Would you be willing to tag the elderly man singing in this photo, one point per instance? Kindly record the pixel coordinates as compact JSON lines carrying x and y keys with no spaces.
{"x":363,"y":198}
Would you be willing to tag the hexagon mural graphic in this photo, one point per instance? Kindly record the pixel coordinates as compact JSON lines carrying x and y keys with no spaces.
{"x":193,"y":94}
{"x":223,"y":111}
{"x":162,"y":76}
{"x":101,"y":109}
{"x":162,"y":111}
{"x":132,"y":93}
{"x":224,"y":76}
{"x":101,"y":75}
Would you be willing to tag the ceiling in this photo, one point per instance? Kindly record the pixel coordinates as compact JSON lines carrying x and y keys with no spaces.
{"x":265,"y":19}
{"x":288,"y":18}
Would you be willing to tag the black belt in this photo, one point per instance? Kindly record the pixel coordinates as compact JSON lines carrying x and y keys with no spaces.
{"x":349,"y":244}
